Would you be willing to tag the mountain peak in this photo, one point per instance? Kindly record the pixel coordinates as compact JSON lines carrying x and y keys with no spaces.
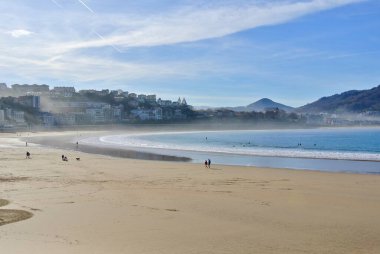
{"x":263,"y":100}
{"x":265,"y":103}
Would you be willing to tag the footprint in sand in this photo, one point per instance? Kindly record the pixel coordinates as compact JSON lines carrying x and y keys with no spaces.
{"x":10,"y":215}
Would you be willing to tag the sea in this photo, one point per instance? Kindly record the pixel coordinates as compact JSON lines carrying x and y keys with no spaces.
{"x":353,"y":150}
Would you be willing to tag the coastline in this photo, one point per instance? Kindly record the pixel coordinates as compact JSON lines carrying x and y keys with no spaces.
{"x":67,"y":141}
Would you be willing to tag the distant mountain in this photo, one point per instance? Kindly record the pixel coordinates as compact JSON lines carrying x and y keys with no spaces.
{"x":353,"y":101}
{"x":265,"y":103}
{"x":262,"y":105}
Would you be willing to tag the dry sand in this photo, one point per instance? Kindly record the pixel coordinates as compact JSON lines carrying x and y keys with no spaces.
{"x":102,"y":204}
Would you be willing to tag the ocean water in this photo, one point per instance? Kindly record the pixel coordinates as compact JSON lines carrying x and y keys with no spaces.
{"x":343,"y":149}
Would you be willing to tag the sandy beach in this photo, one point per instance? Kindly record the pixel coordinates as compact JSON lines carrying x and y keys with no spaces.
{"x":103,"y":204}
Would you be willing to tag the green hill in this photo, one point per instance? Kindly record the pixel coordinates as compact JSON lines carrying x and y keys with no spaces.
{"x":354,"y":101}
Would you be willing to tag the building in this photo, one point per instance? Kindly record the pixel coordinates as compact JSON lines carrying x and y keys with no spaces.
{"x":147,"y":114}
{"x":164,"y":103}
{"x":18,"y":117}
{"x":2,"y":117}
{"x":151,"y":98}
{"x":47,"y":119}
{"x":178,"y":114}
{"x":30,"y":101}
{"x":141,"y":114}
{"x":75,"y":107}
{"x":65,"y":118}
{"x":96,"y":115}
{"x":133,"y":103}
{"x":62,"y":91}
{"x":104,"y":92}
{"x":141,"y":98}
{"x":87,"y":91}
{"x":119,"y":98}
{"x":157,"y":114}
{"x":117,"y":113}
{"x":132,"y":96}
{"x":114,"y":93}
{"x":8,"y":114}
{"x":24,"y":89}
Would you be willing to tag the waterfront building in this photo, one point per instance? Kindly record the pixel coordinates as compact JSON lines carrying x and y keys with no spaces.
{"x":18,"y":117}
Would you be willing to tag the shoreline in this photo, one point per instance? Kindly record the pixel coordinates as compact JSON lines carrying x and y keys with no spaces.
{"x":49,"y":141}
{"x":67,"y":141}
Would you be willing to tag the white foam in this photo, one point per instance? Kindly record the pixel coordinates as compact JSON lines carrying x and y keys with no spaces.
{"x":136,"y":141}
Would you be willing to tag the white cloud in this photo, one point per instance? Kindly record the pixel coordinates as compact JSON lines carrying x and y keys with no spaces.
{"x":194,"y":24}
{"x":63,"y":31}
{"x":19,"y":33}
{"x":92,"y":69}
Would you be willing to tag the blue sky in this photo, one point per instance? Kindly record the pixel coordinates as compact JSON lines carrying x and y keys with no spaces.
{"x":214,"y":53}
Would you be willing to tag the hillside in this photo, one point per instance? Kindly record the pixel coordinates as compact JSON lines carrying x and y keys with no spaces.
{"x":353,"y":101}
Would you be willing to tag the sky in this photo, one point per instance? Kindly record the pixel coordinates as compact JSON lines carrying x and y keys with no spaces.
{"x":212,"y":52}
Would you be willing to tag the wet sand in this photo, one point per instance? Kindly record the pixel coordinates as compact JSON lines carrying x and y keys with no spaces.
{"x":11,"y":216}
{"x":103,"y":204}
{"x":68,"y":142}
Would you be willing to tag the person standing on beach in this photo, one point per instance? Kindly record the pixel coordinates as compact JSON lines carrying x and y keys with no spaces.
{"x":209,"y":163}
{"x":206,"y":163}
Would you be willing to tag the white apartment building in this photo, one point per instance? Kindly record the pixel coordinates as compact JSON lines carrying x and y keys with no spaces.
{"x":18,"y":116}
{"x":96,"y":115}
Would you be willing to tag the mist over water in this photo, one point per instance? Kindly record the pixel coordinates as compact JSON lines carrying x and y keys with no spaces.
{"x":256,"y":147}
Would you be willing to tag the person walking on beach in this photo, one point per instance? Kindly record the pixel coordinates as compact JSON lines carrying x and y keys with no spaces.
{"x":27,"y":155}
{"x":209,"y":163}
{"x":206,"y":163}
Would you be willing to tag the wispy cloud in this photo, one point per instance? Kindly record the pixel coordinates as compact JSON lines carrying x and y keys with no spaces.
{"x":93,"y":69}
{"x":75,"y":44}
{"x":86,"y":6}
{"x":19,"y":33}
{"x":56,"y":3}
{"x":345,"y":55}
{"x":194,"y":24}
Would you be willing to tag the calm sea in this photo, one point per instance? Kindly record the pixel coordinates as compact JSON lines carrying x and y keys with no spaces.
{"x":344,"y":149}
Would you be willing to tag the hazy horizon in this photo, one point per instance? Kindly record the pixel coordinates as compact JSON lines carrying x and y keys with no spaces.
{"x":213,"y":53}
